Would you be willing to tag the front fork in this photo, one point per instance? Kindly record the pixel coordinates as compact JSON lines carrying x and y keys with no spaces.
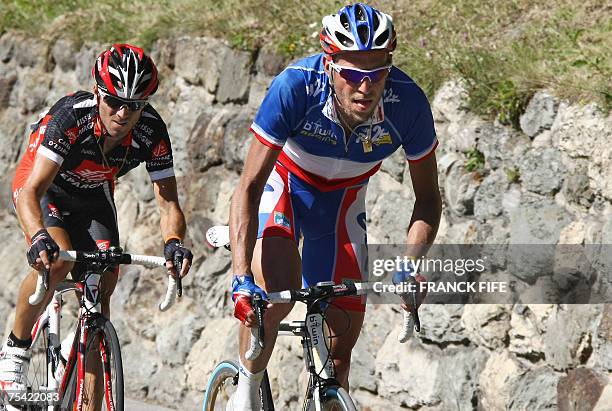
{"x":50,"y":318}
{"x":54,"y":362}
{"x":316,"y":354}
{"x":91,"y":311}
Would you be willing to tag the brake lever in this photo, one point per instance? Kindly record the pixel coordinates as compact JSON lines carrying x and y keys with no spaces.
{"x":414,"y":311}
{"x":259,"y":308}
{"x":45,"y":277}
{"x":178,"y":267}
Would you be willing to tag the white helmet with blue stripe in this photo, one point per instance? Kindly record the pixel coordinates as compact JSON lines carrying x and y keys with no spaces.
{"x":357,"y":27}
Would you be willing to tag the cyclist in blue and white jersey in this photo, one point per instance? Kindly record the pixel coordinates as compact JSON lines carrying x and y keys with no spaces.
{"x":322,"y":130}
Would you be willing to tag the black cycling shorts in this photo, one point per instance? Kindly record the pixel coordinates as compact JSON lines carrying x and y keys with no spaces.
{"x":90,"y":221}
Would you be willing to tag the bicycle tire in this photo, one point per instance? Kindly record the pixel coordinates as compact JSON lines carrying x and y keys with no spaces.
{"x":335,"y":398}
{"x":38,"y":377}
{"x":222,"y":384}
{"x":112,"y":350}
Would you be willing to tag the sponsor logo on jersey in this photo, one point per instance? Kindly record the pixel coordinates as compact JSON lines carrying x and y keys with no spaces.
{"x":315,"y":129}
{"x":84,"y":119}
{"x":144,"y":128}
{"x":281,"y":219}
{"x":72,"y":134}
{"x":91,"y":172}
{"x":60,"y":145}
{"x":389,"y":97}
{"x":54,"y":212}
{"x":103,"y":244}
{"x":34,"y":145}
{"x":16,"y":194}
{"x":74,"y":180}
{"x":316,"y":88}
{"x":380,"y":136}
{"x":95,"y":175}
{"x":161,"y":149}
{"x":158,"y":164}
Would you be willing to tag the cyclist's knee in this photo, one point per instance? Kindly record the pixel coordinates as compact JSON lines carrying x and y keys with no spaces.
{"x":342,"y":358}
{"x":275,"y":314}
{"x":59,"y":270}
{"x":109,"y":282}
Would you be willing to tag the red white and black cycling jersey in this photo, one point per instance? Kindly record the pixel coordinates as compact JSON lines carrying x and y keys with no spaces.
{"x":71,"y":135}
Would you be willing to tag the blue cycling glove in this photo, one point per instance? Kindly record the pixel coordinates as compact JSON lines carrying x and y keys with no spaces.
{"x":410,"y":275}
{"x":243,"y":288}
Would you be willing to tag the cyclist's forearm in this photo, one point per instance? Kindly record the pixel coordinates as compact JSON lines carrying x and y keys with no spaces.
{"x":29,"y":212}
{"x":172,"y":222}
{"x":423,"y":225}
{"x":243,"y":227}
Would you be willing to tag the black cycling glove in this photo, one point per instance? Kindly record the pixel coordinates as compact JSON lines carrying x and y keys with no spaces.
{"x":42,"y":241}
{"x":174,"y":250}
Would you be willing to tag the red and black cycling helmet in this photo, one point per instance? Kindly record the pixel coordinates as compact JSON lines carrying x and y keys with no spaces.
{"x":125,"y":71}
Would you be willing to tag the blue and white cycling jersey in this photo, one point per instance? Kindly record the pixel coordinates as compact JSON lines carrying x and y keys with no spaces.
{"x":298,"y":117}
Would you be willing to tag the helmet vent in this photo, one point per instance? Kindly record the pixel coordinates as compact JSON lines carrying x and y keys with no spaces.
{"x":360,"y":13}
{"x":380,"y":40}
{"x":376,"y":21}
{"x":344,"y":21}
{"x":346,"y":42}
{"x":363,"y":32}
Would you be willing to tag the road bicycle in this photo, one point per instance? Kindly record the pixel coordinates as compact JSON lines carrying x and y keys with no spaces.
{"x":323,"y":392}
{"x":56,"y":378}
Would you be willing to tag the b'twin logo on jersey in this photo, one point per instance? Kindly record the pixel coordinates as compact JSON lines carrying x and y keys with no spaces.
{"x":160,"y":149}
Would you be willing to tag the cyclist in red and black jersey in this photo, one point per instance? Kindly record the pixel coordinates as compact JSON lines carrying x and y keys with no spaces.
{"x":63,"y":187}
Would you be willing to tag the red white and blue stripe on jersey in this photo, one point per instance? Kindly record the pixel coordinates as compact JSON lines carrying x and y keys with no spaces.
{"x":298,"y":117}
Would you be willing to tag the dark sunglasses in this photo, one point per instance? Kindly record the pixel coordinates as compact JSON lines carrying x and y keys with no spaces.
{"x":116,"y":103}
{"x":357,"y":76}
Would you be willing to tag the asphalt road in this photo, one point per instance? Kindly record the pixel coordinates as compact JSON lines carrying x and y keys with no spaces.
{"x":133,"y":405}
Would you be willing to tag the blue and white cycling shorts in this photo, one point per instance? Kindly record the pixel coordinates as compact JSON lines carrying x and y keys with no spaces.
{"x":333,"y":226}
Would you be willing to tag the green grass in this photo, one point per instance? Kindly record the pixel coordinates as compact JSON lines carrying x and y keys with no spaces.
{"x":475,"y":161}
{"x":505,"y":50}
{"x":513,"y":175}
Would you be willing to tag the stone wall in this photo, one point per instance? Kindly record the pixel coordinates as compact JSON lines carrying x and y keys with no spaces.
{"x":548,"y":183}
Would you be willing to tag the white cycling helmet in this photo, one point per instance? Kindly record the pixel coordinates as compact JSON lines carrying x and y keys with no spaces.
{"x":357,"y":27}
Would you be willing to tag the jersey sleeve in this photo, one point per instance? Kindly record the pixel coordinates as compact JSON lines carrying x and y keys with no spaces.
{"x":161,"y":164}
{"x":281,"y":110}
{"x":57,"y":132}
{"x":419,"y":138}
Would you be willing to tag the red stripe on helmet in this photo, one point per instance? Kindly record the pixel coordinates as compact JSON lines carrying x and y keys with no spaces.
{"x":105,"y":75}
{"x":137,"y":50}
{"x":327,"y":43}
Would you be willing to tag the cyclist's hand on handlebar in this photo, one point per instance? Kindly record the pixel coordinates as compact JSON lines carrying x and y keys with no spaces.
{"x":243,"y":288}
{"x":43,"y":250}
{"x":174,"y":249}
{"x":409,"y":275}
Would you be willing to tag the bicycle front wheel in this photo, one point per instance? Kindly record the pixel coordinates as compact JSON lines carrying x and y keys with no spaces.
{"x":337,"y":399}
{"x":112,"y":365}
{"x":222,"y":386}
{"x":103,"y":379}
{"x":38,"y":371}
